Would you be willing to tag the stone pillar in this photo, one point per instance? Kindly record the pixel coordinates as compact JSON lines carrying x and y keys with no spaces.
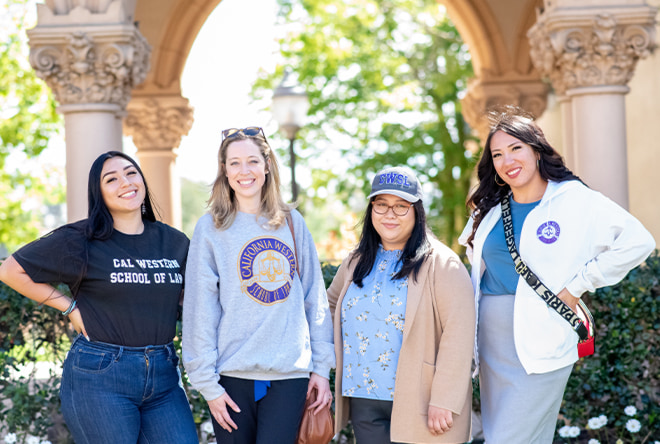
{"x":566,"y":110}
{"x":589,"y":53}
{"x":91,"y":55}
{"x":157,"y":125}
{"x":483,"y":95}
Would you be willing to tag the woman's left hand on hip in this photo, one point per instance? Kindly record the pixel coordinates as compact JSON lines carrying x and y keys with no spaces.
{"x":569,"y":299}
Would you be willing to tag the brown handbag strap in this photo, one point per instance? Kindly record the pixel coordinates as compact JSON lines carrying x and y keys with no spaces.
{"x":289,"y":222}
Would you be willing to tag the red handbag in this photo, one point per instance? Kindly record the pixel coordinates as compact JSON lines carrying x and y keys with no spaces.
{"x":588,"y":346}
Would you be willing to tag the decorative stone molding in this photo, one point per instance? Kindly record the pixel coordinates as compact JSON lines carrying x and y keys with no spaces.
{"x":575,"y":47}
{"x":97,"y":65}
{"x":68,"y":12}
{"x":158,"y":123}
{"x":482,"y":96}
{"x":89,"y":51}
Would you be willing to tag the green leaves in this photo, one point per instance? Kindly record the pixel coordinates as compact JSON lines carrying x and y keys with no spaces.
{"x":626,"y":367}
{"x":29,"y":334}
{"x":384,"y":79}
{"x":27,"y":122}
{"x":26,"y":103}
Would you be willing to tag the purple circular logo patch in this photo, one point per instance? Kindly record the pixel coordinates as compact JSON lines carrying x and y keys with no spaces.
{"x":266,"y":268}
{"x":548,"y":232}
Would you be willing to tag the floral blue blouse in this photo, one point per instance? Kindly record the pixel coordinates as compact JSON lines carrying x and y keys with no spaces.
{"x":372,"y":319}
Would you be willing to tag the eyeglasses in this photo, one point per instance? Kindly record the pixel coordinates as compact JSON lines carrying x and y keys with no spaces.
{"x":250,"y":131}
{"x":398,"y":209}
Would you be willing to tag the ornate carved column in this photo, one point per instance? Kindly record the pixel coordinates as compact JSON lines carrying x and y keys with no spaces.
{"x":589,"y":54}
{"x":91,"y":55}
{"x":157,"y":125}
{"x":484,"y":94}
{"x":566,"y":111}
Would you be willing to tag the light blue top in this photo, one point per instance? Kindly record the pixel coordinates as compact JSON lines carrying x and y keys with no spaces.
{"x":372,"y":319}
{"x":500,"y":276}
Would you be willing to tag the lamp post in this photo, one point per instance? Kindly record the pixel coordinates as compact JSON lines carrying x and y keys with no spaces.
{"x":290,"y":106}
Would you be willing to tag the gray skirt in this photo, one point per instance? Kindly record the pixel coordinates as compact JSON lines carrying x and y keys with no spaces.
{"x":516,"y":408}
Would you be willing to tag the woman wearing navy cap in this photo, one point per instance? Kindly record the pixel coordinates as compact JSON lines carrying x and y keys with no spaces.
{"x":402,"y":311}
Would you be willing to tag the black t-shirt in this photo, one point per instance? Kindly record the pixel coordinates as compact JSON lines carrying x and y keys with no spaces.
{"x":130,"y":292}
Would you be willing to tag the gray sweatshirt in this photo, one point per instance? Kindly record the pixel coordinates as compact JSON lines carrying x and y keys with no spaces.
{"x":246,"y":312}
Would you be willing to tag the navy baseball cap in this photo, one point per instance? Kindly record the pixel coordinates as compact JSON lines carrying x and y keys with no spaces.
{"x":398,"y":181}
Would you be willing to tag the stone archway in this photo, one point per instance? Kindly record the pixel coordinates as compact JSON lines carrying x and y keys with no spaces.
{"x":513,"y":43}
{"x":158,"y":115}
{"x":504,"y":73}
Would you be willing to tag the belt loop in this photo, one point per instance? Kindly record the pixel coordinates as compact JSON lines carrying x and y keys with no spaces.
{"x":119,"y":353}
{"x":170,"y":350}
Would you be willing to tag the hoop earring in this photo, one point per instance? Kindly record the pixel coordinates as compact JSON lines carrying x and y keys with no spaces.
{"x":499,"y":184}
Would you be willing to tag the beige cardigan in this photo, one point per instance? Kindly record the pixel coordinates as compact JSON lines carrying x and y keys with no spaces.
{"x":436,"y":352}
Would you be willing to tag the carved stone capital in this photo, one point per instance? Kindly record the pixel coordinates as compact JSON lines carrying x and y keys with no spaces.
{"x":68,"y":12}
{"x":530,"y":95}
{"x":576,"y":47}
{"x":90,"y":64}
{"x":158,"y":123}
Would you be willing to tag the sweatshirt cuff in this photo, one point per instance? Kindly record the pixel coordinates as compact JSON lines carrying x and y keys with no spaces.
{"x":212,"y":391}
{"x":322,"y":370}
{"x":578,"y":286}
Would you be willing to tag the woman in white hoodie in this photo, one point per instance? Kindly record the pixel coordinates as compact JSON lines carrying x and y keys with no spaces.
{"x":573,"y":238}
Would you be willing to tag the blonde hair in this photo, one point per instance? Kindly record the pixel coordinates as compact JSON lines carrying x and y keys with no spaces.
{"x":223,"y":204}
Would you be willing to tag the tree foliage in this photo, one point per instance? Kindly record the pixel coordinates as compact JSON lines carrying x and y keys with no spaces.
{"x":384,"y":80}
{"x":28,"y":122}
{"x":194,"y":205}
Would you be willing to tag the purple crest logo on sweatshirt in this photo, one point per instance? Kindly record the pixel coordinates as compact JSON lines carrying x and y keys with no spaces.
{"x":548,"y":232}
{"x":266,"y":267}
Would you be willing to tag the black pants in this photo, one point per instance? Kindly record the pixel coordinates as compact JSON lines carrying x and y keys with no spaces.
{"x":371,"y":419}
{"x":274,"y":419}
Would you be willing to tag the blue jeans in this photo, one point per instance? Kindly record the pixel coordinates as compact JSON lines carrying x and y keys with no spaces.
{"x":125,"y":395}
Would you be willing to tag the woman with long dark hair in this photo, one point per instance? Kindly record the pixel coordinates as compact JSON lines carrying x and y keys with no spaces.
{"x":120,"y":382}
{"x":403,"y":317}
{"x":573,"y":238}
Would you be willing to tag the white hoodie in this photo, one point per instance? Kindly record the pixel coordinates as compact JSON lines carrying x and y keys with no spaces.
{"x":588,"y":242}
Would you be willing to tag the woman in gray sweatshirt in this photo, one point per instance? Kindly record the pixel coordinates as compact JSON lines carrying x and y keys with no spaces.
{"x":257,"y":331}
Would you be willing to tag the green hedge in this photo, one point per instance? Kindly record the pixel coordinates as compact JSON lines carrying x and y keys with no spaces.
{"x":30,"y":334}
{"x":625,"y":371}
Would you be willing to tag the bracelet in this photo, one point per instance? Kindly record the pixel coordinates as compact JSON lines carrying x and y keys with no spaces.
{"x":72,"y":307}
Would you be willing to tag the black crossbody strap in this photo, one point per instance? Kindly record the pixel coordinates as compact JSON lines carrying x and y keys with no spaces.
{"x":528,"y":275}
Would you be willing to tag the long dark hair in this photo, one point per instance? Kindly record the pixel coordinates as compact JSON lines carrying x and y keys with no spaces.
{"x":99,"y":220}
{"x":414,"y":252}
{"x":519,"y":124}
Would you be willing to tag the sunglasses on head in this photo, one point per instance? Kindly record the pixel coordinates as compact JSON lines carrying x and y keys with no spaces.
{"x":250,"y":131}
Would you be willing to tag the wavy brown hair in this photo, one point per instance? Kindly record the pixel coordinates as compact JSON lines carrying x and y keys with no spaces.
{"x":223,"y":204}
{"x":519,"y":124}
